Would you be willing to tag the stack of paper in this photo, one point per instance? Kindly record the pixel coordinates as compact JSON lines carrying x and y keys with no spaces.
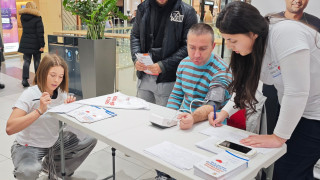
{"x":221,"y":133}
{"x":175,"y":155}
{"x":209,"y":144}
{"x":222,"y":166}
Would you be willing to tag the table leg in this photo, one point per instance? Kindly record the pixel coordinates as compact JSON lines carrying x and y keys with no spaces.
{"x":63,"y":172}
{"x":113,"y":176}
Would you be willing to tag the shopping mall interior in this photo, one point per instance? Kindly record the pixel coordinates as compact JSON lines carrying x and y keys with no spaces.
{"x":62,"y":32}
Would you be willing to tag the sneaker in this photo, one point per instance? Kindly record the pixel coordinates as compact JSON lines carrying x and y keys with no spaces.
{"x":2,"y":86}
{"x":25,"y":83}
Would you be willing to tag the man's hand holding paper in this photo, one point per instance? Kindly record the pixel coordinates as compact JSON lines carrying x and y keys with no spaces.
{"x":154,"y":69}
{"x":146,"y":64}
{"x":140,"y":66}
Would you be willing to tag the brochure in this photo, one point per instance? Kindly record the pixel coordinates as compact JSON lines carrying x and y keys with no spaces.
{"x":116,"y":100}
{"x":146,"y":60}
{"x":90,"y":114}
{"x":222,"y":166}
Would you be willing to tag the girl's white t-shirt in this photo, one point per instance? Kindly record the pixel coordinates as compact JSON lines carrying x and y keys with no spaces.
{"x":43,"y":132}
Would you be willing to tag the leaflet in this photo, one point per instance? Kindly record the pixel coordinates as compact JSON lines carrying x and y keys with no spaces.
{"x":177,"y":156}
{"x":222,"y":166}
{"x":223,"y":133}
{"x":146,"y":60}
{"x":116,"y":100}
{"x":90,"y":114}
{"x":64,"y":108}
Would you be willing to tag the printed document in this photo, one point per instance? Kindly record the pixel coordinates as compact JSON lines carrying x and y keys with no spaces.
{"x":90,"y":114}
{"x":222,"y":166}
{"x":64,"y":108}
{"x":116,"y":100}
{"x":146,"y":60}
{"x":175,"y":155}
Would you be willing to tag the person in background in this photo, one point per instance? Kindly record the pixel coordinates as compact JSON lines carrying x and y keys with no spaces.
{"x":198,"y":17}
{"x":160,"y":29}
{"x":202,"y":78}
{"x":32,"y":39}
{"x":295,"y":11}
{"x":1,"y":59}
{"x":37,"y":132}
{"x":208,"y":18}
{"x":291,"y":63}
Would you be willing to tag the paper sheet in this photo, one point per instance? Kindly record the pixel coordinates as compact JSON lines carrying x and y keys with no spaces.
{"x":90,"y":114}
{"x":178,"y":156}
{"x":233,"y":136}
{"x":116,"y":100}
{"x":64,"y":108}
{"x":146,"y":60}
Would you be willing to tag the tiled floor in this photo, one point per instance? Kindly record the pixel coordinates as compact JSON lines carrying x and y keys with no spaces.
{"x":97,"y":166}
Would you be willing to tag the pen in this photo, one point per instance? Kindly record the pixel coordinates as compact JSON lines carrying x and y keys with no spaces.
{"x":214,"y":112}
{"x":54,"y":95}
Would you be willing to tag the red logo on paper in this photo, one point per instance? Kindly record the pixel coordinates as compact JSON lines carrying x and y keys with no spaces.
{"x":87,"y":111}
{"x":108,"y":100}
{"x":219,"y":161}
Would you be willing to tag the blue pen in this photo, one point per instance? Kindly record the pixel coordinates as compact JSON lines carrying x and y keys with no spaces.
{"x":214,"y":112}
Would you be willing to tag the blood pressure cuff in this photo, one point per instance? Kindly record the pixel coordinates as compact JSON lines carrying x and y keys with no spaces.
{"x":215,"y":96}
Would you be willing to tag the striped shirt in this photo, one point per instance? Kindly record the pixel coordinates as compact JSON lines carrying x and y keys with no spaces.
{"x":194,"y":82}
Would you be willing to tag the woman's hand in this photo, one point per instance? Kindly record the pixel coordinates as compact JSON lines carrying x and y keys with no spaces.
{"x":70,"y":98}
{"x":263,"y":141}
{"x":45,"y":99}
{"x":220,"y":117}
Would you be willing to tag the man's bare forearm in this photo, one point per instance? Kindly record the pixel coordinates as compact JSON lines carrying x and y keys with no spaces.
{"x":201,"y":113}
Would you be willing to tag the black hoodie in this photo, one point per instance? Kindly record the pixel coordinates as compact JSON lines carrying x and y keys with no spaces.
{"x":33,"y":33}
{"x":173,"y":45}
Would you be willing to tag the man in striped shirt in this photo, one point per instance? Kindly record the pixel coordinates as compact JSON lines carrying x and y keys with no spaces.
{"x":202,"y":78}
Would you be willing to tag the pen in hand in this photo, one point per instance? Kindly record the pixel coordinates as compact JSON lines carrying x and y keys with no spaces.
{"x":214,"y":112}
{"x":54,"y":95}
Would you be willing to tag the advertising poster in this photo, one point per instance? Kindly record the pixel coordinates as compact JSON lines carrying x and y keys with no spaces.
{"x":9,"y":25}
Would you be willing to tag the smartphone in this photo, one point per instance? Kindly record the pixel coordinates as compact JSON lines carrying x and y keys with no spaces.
{"x":236,"y":148}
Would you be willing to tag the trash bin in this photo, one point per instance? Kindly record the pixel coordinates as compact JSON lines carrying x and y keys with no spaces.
{"x":67,"y":48}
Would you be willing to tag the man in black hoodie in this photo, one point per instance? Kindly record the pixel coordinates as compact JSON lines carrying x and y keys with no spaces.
{"x":160,"y":29}
{"x":32,"y":40}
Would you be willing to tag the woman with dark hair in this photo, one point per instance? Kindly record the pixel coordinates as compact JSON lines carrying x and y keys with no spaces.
{"x":285,"y":53}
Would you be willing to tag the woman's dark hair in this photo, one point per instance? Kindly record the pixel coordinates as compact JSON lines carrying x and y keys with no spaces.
{"x":242,"y":18}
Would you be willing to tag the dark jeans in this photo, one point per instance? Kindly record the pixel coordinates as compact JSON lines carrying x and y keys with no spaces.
{"x":272,"y":106}
{"x":26,"y":65}
{"x":303,"y":152}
